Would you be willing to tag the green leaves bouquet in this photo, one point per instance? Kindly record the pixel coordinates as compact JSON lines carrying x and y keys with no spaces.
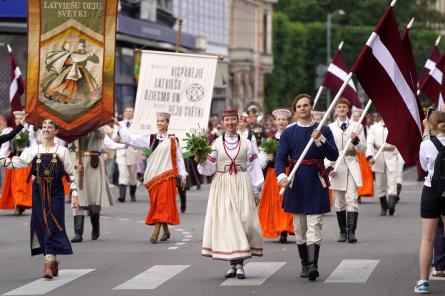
{"x":197,"y":143}
{"x":270,"y":146}
{"x":21,"y":140}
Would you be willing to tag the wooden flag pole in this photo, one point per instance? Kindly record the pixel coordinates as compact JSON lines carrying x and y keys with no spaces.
{"x":323,"y":120}
{"x":178,"y":36}
{"x":379,"y":151}
{"x":79,"y":159}
{"x":343,"y":153}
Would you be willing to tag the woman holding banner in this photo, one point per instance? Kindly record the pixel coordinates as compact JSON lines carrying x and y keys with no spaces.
{"x":163,"y":166}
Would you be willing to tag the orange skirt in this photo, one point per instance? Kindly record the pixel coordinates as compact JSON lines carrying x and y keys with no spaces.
{"x":367,"y":177}
{"x":16,"y":190}
{"x":66,"y":186}
{"x":163,"y":203}
{"x":273,"y":219}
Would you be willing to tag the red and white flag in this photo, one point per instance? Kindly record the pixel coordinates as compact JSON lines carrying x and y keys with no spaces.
{"x":383,"y":72}
{"x":434,"y":85}
{"x":336,"y":75}
{"x":433,"y":58}
{"x":16,"y":87}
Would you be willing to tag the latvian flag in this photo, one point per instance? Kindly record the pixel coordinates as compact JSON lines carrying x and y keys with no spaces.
{"x":433,"y":87}
{"x":336,"y":75}
{"x":382,"y":70}
{"x":16,"y":87}
{"x":430,"y":63}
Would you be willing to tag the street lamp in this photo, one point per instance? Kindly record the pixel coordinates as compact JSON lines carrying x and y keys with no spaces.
{"x":328,"y":43}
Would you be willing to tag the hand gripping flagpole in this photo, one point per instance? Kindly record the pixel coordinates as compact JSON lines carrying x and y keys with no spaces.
{"x":323,"y":120}
{"x":343,"y":153}
{"x":321,"y":88}
{"x":379,"y":151}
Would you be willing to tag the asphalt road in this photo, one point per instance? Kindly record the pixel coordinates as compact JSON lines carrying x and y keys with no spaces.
{"x":124,"y":262}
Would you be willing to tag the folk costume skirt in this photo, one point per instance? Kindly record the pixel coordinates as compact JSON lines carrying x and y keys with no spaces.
{"x":273,"y":219}
{"x":367,"y":189}
{"x":17,"y":191}
{"x":231,"y":228}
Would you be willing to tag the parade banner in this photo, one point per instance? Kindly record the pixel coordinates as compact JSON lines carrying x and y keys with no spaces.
{"x":71,"y":57}
{"x":181,"y":84}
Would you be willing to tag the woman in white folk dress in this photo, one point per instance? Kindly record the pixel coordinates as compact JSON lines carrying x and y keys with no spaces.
{"x":232,"y":230}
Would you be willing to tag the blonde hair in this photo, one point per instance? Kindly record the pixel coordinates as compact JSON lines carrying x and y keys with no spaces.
{"x":437,"y":122}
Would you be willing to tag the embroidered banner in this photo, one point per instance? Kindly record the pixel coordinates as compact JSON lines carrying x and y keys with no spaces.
{"x":71,"y":56}
{"x":181,"y":84}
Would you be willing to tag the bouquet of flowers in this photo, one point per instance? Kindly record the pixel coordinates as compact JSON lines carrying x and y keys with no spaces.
{"x":21,"y":140}
{"x":197,"y":143}
{"x":270,"y":146}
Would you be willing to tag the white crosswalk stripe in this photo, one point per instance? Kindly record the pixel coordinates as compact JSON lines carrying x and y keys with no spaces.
{"x":43,"y":286}
{"x":352,"y":271}
{"x":256,"y":272}
{"x":152,"y":278}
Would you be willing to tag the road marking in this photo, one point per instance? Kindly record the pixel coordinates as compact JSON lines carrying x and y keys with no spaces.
{"x":256,"y":274}
{"x":43,"y":286}
{"x":180,"y":244}
{"x":152,"y":278}
{"x":123,"y":219}
{"x":172,"y":248}
{"x":140,"y":221}
{"x":104,"y":217}
{"x":179,"y":229}
{"x":189,"y":236}
{"x":185,"y":232}
{"x":352,"y":271}
{"x":185,"y":240}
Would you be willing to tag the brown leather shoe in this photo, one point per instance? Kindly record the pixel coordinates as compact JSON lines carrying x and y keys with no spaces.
{"x":166,"y":234}
{"x":47,"y":272}
{"x":154,"y":237}
{"x":54,"y":265}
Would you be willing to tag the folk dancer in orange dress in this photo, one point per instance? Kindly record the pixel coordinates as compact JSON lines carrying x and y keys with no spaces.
{"x":274,"y":221}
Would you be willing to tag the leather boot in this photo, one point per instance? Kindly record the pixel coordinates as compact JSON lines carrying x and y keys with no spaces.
{"x":78,"y":228}
{"x":155,"y":235}
{"x":392,"y":204}
{"x":183,"y":199}
{"x":283,"y":237}
{"x":54,"y":265}
{"x":302,"y":251}
{"x":383,"y":205}
{"x":47,"y":272}
{"x":352,"y":225}
{"x":341,"y":218}
{"x":133,"y":192}
{"x":95,"y":231}
{"x":399,"y":189}
{"x":313,"y":252}
{"x":166,"y":234}
{"x":122,"y":192}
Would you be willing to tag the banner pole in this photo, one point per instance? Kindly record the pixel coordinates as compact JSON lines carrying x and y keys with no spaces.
{"x":311,"y":141}
{"x":178,"y":36}
{"x":343,"y":153}
{"x":79,"y":159}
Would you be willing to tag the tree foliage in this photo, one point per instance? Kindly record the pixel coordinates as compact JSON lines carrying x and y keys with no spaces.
{"x":299,"y":44}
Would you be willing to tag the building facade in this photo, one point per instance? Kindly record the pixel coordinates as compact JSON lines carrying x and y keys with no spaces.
{"x":250,"y":50}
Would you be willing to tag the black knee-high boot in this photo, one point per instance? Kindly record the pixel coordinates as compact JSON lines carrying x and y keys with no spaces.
{"x":78,"y":228}
{"x":133,"y":192}
{"x":383,"y":205}
{"x":95,"y":232}
{"x":399,"y":189}
{"x":313,"y":251}
{"x":302,"y":251}
{"x":341,"y":218}
{"x":122,"y":192}
{"x":183,"y":199}
{"x":352,"y":226}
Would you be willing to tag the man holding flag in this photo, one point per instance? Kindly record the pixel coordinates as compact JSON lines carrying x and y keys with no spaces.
{"x":308,"y":198}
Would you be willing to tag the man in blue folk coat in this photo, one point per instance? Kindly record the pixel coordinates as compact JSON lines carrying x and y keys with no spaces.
{"x":308,"y":199}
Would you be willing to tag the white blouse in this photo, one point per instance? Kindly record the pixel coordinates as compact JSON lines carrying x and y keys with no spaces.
{"x":427,"y":156}
{"x":26,"y":157}
{"x":253,"y":167}
{"x":143,"y":141}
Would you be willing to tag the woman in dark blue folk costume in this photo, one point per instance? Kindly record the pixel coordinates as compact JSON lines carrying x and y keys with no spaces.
{"x":50,"y":162}
{"x":308,"y":199}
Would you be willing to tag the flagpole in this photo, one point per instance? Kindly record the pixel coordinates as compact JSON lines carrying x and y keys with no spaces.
{"x":323,"y":120}
{"x":321,"y":88}
{"x":343,"y":153}
{"x":379,"y":151}
{"x":178,"y":36}
{"x":9,"y":48}
{"x":320,"y":91}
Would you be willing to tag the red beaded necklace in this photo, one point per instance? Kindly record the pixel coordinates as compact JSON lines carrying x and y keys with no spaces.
{"x":232,"y":167}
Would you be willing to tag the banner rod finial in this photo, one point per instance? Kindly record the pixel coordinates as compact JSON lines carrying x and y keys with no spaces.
{"x":393,"y":3}
{"x":410,"y":24}
{"x":438,"y":40}
{"x":340,"y":46}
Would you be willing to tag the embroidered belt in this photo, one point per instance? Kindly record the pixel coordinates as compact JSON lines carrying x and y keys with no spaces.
{"x":386,"y":149}
{"x":229,"y":167}
{"x":322,"y":171}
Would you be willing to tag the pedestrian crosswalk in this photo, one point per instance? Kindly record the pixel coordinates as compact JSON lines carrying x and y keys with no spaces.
{"x":258,"y":273}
